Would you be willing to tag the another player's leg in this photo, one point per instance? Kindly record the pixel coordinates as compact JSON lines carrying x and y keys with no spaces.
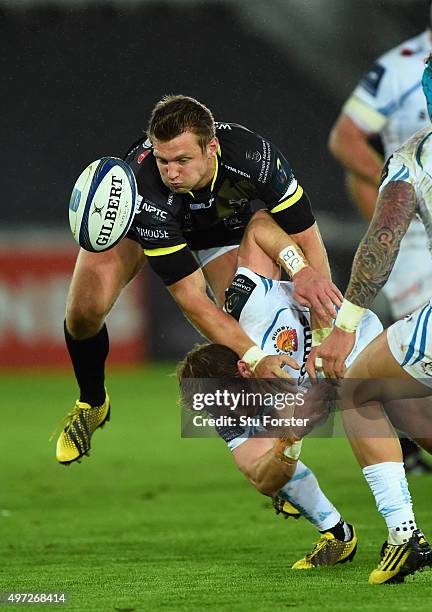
{"x":218,"y":266}
{"x":295,"y":491}
{"x":378,"y":452}
{"x":96,"y":284}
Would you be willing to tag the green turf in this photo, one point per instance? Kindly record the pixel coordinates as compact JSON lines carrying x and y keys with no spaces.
{"x":155,"y":522}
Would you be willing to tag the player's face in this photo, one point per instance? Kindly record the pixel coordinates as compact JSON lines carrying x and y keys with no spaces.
{"x":182,"y":164}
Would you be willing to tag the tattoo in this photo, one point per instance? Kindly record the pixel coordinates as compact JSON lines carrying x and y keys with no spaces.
{"x":377,"y":251}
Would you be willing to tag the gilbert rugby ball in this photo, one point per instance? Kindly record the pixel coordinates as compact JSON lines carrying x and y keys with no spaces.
{"x":102,"y":204}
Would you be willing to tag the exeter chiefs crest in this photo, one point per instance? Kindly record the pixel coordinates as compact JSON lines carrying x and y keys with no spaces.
{"x":285,"y":340}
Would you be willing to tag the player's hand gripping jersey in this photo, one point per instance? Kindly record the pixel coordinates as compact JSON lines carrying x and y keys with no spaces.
{"x":278,"y":324}
{"x":170,"y":225}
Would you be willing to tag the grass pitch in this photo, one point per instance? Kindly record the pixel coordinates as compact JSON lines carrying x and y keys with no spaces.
{"x":155,"y":522}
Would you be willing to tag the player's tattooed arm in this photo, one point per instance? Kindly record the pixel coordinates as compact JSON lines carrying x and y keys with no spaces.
{"x":378,"y":250}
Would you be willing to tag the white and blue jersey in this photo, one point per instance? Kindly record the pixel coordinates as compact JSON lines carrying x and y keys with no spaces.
{"x":278,"y":324}
{"x":410,"y":340}
{"x":410,"y":343}
{"x":389,"y":101}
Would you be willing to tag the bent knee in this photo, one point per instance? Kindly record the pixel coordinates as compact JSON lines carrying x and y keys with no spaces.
{"x":255,"y":222}
{"x":84,"y":318}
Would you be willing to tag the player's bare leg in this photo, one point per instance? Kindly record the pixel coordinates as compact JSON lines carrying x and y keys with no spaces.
{"x":377,"y":449}
{"x":296,"y":492}
{"x":219,"y":273}
{"x":363,"y":193}
{"x":251,"y":255}
{"x":97,"y":281}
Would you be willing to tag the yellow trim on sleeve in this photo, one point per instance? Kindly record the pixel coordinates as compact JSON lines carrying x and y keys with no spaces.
{"x":164,"y":250}
{"x":289,"y":201}
{"x":366,"y":117}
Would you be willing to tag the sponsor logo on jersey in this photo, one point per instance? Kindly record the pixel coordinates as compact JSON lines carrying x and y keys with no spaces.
{"x":201,"y":205}
{"x":243,"y":284}
{"x":373,"y":78}
{"x":152,"y":233}
{"x":231,"y":302}
{"x":155,"y":212}
{"x":237,"y":295}
{"x":285,"y":340}
{"x":265,"y":165}
{"x":111,"y":211}
{"x":170,"y":199}
{"x":223,"y":126}
{"x":307,"y":347}
{"x":254,"y":156}
{"x":236,"y":170}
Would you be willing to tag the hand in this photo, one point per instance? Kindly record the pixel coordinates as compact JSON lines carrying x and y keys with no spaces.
{"x":271,"y":366}
{"x":333,"y":352}
{"x":312,"y":366}
{"x":315,"y":291}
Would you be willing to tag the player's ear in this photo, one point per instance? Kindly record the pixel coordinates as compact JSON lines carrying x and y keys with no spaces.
{"x":244,"y":369}
{"x":212,"y":147}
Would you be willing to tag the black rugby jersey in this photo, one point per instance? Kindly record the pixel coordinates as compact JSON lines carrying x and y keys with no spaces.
{"x":248,"y":168}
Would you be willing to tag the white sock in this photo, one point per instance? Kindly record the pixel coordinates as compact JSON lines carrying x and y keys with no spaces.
{"x":390,"y":489}
{"x":303,"y":492}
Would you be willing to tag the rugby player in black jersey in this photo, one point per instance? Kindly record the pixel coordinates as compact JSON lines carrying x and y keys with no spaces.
{"x":195,"y":191}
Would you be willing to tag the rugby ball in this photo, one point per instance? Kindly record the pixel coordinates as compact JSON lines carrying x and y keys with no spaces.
{"x":102,"y":204}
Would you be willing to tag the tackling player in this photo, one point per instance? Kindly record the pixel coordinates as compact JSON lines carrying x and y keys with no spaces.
{"x":389,"y":103}
{"x":195,"y":190}
{"x":267,"y":310}
{"x":403,"y":351}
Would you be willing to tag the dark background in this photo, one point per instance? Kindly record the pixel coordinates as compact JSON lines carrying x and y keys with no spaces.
{"x":78,"y":81}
